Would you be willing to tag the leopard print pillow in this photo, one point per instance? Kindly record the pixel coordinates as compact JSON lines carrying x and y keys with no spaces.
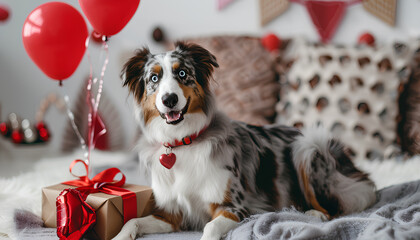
{"x":352,"y":91}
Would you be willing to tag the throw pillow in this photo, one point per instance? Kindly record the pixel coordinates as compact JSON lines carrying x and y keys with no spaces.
{"x":245,"y":83}
{"x":352,"y":91}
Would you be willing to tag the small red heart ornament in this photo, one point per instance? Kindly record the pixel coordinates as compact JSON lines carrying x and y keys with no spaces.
{"x":367,"y":38}
{"x":74,"y":216}
{"x":167,"y":160}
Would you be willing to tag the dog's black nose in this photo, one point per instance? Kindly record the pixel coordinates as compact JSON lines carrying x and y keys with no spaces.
{"x":170,"y":100}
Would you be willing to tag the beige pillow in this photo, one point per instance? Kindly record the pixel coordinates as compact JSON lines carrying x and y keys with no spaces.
{"x":246,"y":88}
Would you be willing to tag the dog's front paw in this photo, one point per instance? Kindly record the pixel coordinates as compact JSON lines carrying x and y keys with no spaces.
{"x":209,"y":238}
{"x":317,"y":214}
{"x":129,"y":231}
{"x":211,"y":232}
{"x":125,"y":236}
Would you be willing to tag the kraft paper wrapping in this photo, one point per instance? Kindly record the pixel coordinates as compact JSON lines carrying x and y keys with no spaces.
{"x":109,"y":209}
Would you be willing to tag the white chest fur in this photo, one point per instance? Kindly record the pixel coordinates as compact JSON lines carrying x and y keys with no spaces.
{"x":192,"y":183}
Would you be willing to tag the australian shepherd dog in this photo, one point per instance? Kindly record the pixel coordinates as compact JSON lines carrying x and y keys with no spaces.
{"x":209,"y":172}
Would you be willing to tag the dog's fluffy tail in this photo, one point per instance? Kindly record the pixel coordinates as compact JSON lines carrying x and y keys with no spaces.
{"x":328,"y":179}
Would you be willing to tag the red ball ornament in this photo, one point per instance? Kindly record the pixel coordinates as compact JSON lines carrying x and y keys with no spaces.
{"x":43,"y":133}
{"x":367,"y":38}
{"x":4,"y":13}
{"x":4,"y":129}
{"x":40,"y":125}
{"x":271,"y":42}
{"x":17,"y":136}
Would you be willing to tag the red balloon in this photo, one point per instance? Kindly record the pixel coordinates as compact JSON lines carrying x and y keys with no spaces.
{"x":4,"y":13}
{"x":109,"y":17}
{"x":54,"y":35}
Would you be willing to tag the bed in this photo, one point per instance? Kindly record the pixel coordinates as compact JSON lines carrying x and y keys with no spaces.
{"x":261,"y":87}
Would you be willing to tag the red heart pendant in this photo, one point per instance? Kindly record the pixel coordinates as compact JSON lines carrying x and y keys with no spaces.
{"x":167,"y":160}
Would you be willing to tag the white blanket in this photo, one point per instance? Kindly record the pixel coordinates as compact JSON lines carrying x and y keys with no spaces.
{"x":23,"y":192}
{"x":395,"y":216}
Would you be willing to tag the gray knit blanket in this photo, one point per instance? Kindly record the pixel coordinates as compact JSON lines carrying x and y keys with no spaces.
{"x":396,"y":215}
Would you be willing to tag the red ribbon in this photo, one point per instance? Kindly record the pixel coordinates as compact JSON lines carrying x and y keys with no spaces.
{"x":105,"y":182}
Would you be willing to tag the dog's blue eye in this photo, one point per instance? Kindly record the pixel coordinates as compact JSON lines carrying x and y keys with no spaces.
{"x":155,"y":78}
{"x":182,"y":73}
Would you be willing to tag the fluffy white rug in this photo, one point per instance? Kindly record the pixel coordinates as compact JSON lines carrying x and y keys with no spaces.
{"x":24,"y":191}
{"x":393,"y":171}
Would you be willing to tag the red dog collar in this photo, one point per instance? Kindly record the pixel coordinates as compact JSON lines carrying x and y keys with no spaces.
{"x":185,"y":141}
{"x":168,"y":159}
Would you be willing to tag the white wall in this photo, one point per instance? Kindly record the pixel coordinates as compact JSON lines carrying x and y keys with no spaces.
{"x":23,"y":85}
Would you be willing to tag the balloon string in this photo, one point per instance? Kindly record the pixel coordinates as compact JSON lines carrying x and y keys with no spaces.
{"x":101,"y":80}
{"x":73,"y":123}
{"x":89,"y":103}
{"x":99,"y":93}
{"x":93,"y":103}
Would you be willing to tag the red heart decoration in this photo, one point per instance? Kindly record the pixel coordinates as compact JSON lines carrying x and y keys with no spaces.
{"x":74,"y":216}
{"x":271,"y":42}
{"x":367,"y":38}
{"x":167,"y":160}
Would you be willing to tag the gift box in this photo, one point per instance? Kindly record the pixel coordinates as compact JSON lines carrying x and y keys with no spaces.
{"x":108,"y":208}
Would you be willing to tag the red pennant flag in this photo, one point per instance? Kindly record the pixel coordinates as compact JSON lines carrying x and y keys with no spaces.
{"x":326,"y":16}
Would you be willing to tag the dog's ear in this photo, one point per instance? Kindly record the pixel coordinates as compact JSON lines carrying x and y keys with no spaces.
{"x":133,"y":72}
{"x":204,"y":62}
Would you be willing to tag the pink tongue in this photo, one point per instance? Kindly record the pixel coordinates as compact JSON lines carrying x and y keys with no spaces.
{"x":173,"y":116}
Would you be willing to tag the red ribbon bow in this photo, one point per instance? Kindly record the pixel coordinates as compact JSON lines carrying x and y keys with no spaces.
{"x":104,"y":182}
